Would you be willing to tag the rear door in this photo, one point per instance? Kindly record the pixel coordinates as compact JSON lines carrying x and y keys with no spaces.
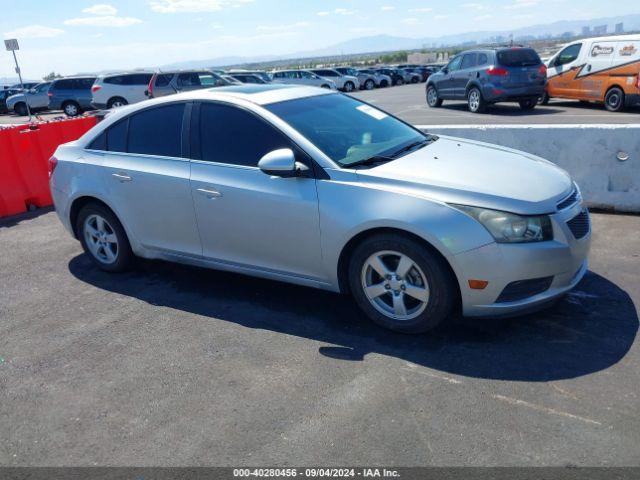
{"x":82,"y":92}
{"x":462,"y":77}
{"x":247,"y":218}
{"x":146,"y":175}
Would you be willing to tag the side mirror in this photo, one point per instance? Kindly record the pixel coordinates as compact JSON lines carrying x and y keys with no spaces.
{"x":282,"y":163}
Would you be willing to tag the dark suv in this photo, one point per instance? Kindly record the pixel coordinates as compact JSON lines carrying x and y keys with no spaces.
{"x":72,"y":95}
{"x":483,"y":77}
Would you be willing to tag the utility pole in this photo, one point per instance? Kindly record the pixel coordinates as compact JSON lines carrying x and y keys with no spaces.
{"x":12,"y":45}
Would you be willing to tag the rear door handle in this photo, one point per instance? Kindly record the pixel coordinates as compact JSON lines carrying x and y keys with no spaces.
{"x":122,"y":177}
{"x":209,"y":193}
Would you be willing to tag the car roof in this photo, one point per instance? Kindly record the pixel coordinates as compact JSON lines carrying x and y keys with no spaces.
{"x":117,"y":74}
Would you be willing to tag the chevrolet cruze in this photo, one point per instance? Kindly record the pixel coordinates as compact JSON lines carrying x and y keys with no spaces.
{"x":313,"y":187}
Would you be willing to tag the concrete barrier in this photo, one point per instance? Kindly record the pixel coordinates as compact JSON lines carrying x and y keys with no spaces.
{"x":603,"y":159}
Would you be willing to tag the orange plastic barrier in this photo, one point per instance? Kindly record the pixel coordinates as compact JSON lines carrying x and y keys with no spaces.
{"x":24,"y":154}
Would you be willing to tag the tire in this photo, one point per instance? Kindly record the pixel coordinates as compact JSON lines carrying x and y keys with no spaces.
{"x":528,"y":104}
{"x":349,"y":87}
{"x":116,"y":102}
{"x":384,"y":84}
{"x":544,"y":99}
{"x":414,"y":80}
{"x":399,"y":82}
{"x":432,"y":97}
{"x":369,"y":85}
{"x":103,"y":238}
{"x":21,"y":109}
{"x":475,"y":101}
{"x":388,"y":304}
{"x":614,"y":100}
{"x":328,"y":87}
{"x":71,"y":109}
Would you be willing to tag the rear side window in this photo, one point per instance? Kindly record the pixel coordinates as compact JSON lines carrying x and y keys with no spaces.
{"x":469,"y":60}
{"x":518,"y":57}
{"x":483,"y":59}
{"x":163,"y":80}
{"x":117,"y":80}
{"x":65,"y":84}
{"x":157,"y":131}
{"x":117,"y":137}
{"x":137,"y":79}
{"x":234,"y":136}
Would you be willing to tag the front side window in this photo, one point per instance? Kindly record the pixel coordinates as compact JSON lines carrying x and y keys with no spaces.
{"x":454,"y":64}
{"x":345,"y":129}
{"x":208,"y":79}
{"x":157,"y":131}
{"x":568,"y":55}
{"x":234,"y":136}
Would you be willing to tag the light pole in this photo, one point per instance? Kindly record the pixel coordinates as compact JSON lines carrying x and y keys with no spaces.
{"x":12,"y":45}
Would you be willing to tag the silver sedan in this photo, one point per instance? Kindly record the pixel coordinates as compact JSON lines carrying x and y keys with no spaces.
{"x":312,"y":187}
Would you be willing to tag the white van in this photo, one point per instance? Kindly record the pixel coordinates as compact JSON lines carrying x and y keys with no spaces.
{"x":604,"y":70}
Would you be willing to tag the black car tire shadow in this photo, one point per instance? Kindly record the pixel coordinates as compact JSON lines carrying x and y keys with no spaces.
{"x":589,"y":330}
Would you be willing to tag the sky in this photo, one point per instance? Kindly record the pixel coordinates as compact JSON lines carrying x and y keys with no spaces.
{"x":71,"y":36}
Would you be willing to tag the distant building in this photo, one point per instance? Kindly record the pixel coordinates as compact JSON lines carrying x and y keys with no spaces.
{"x":600,"y":30}
{"x":566,"y":35}
{"x":619,"y":27}
{"x":422,"y":58}
{"x":586,"y":31}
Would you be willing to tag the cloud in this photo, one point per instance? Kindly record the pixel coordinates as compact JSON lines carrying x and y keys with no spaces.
{"x":387,"y":8}
{"x":282,"y":28}
{"x":441,"y":17}
{"x":34,"y":31}
{"x":101,"y":9}
{"x":182,"y":6}
{"x":323,"y":14}
{"x":474,"y":6}
{"x":343,"y":11}
{"x":521,"y":4}
{"x":104,"y":21}
{"x":410,"y":21}
{"x":483,"y":17}
{"x":420,"y":10}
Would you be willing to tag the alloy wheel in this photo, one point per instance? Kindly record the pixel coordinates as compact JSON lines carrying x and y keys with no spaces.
{"x":101,"y":239}
{"x":474,"y":100}
{"x":432,"y":96}
{"x":395,"y":285}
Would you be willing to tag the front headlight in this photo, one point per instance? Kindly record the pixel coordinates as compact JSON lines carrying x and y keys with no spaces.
{"x":511,"y":228}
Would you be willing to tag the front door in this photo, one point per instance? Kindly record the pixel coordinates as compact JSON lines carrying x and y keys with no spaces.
{"x":446,"y":85}
{"x":247,"y":218}
{"x":562,"y":73}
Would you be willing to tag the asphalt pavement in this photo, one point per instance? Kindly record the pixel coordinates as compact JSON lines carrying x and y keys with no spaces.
{"x":173,"y":365}
{"x":409,"y":103}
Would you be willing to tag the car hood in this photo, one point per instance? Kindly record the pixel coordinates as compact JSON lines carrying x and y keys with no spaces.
{"x":466,"y":172}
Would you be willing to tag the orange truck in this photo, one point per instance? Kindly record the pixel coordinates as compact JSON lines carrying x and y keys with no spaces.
{"x":603,"y":70}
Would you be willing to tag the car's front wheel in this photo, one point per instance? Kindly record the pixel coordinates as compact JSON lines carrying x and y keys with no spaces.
{"x":400,"y":284}
{"x":369,"y":85}
{"x":528,"y":104}
{"x":103,"y":238}
{"x":21,"y":109}
{"x":71,"y":109}
{"x":432,"y":97}
{"x":349,"y":87}
{"x":614,"y":100}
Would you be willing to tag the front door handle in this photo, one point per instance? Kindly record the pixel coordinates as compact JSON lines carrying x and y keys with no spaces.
{"x":209,"y":193}
{"x":122,"y":177}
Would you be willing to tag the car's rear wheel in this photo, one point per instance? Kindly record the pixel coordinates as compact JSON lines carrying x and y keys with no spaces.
{"x":116,"y":102}
{"x":614,"y":100}
{"x":528,"y":104}
{"x":433,"y":100}
{"x":400,"y":284}
{"x":326,"y":85}
{"x":369,"y":85}
{"x":475,"y":101}
{"x":71,"y":109}
{"x":400,"y":81}
{"x":21,"y":109}
{"x":103,"y":238}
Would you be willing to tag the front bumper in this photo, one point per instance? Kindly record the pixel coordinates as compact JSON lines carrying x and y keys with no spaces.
{"x":564,"y":259}
{"x":99,"y":106}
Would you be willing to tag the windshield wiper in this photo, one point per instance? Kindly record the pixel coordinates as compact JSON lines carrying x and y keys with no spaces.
{"x":376,"y":159}
{"x":411,"y":146}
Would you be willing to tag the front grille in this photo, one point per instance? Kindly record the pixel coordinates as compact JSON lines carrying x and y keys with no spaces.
{"x":524,"y":289}
{"x":570,"y":200}
{"x":579,"y":225}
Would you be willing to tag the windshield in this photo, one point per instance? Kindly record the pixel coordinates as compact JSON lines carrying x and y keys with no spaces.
{"x":345,"y":129}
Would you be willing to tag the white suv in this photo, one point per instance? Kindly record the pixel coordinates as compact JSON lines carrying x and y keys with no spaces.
{"x":302,"y":77}
{"x":346,"y":83}
{"x":116,"y":90}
